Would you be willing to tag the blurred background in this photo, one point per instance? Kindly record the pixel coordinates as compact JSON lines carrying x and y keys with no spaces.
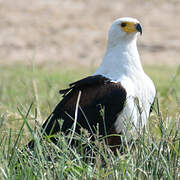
{"x":47,"y":44}
{"x":74,"y":32}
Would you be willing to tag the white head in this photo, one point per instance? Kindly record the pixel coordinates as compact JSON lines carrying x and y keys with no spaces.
{"x":123,"y":29}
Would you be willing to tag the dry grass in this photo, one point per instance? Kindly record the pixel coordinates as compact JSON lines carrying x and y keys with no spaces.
{"x":72,"y":32}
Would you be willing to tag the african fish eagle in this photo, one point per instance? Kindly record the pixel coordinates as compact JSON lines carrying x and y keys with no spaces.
{"x":119,"y":86}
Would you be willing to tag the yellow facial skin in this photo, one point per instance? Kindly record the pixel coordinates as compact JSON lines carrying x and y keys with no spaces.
{"x":128,"y":27}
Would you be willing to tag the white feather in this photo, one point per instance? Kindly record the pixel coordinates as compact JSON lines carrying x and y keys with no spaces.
{"x":122,"y":63}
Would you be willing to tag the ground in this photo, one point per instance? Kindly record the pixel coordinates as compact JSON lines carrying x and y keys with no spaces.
{"x":73,"y":33}
{"x":69,"y":32}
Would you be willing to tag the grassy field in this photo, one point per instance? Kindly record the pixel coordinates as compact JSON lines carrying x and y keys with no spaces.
{"x":29,"y":94}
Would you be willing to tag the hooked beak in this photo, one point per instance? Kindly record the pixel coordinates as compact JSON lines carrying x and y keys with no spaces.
{"x":139,"y":28}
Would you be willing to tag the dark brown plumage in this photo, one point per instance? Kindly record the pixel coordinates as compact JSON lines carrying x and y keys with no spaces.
{"x":97,"y":92}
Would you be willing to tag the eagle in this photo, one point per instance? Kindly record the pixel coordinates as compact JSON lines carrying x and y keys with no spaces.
{"x":119,"y":87}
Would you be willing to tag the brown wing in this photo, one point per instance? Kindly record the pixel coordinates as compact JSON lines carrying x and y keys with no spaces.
{"x":97,"y":92}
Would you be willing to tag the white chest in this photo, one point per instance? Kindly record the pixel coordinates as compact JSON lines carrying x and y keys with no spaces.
{"x":140,"y":96}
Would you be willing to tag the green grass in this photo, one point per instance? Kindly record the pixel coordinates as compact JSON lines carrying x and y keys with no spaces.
{"x":29,"y":94}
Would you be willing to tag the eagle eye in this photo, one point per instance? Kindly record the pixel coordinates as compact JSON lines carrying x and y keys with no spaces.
{"x":123,"y":24}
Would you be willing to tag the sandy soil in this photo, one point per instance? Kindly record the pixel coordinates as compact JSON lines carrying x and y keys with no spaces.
{"x":74,"y":32}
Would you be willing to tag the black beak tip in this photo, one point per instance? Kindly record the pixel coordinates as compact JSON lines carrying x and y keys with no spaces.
{"x":139,"y":28}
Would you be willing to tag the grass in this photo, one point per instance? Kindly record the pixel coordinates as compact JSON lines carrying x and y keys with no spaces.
{"x":29,"y":94}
